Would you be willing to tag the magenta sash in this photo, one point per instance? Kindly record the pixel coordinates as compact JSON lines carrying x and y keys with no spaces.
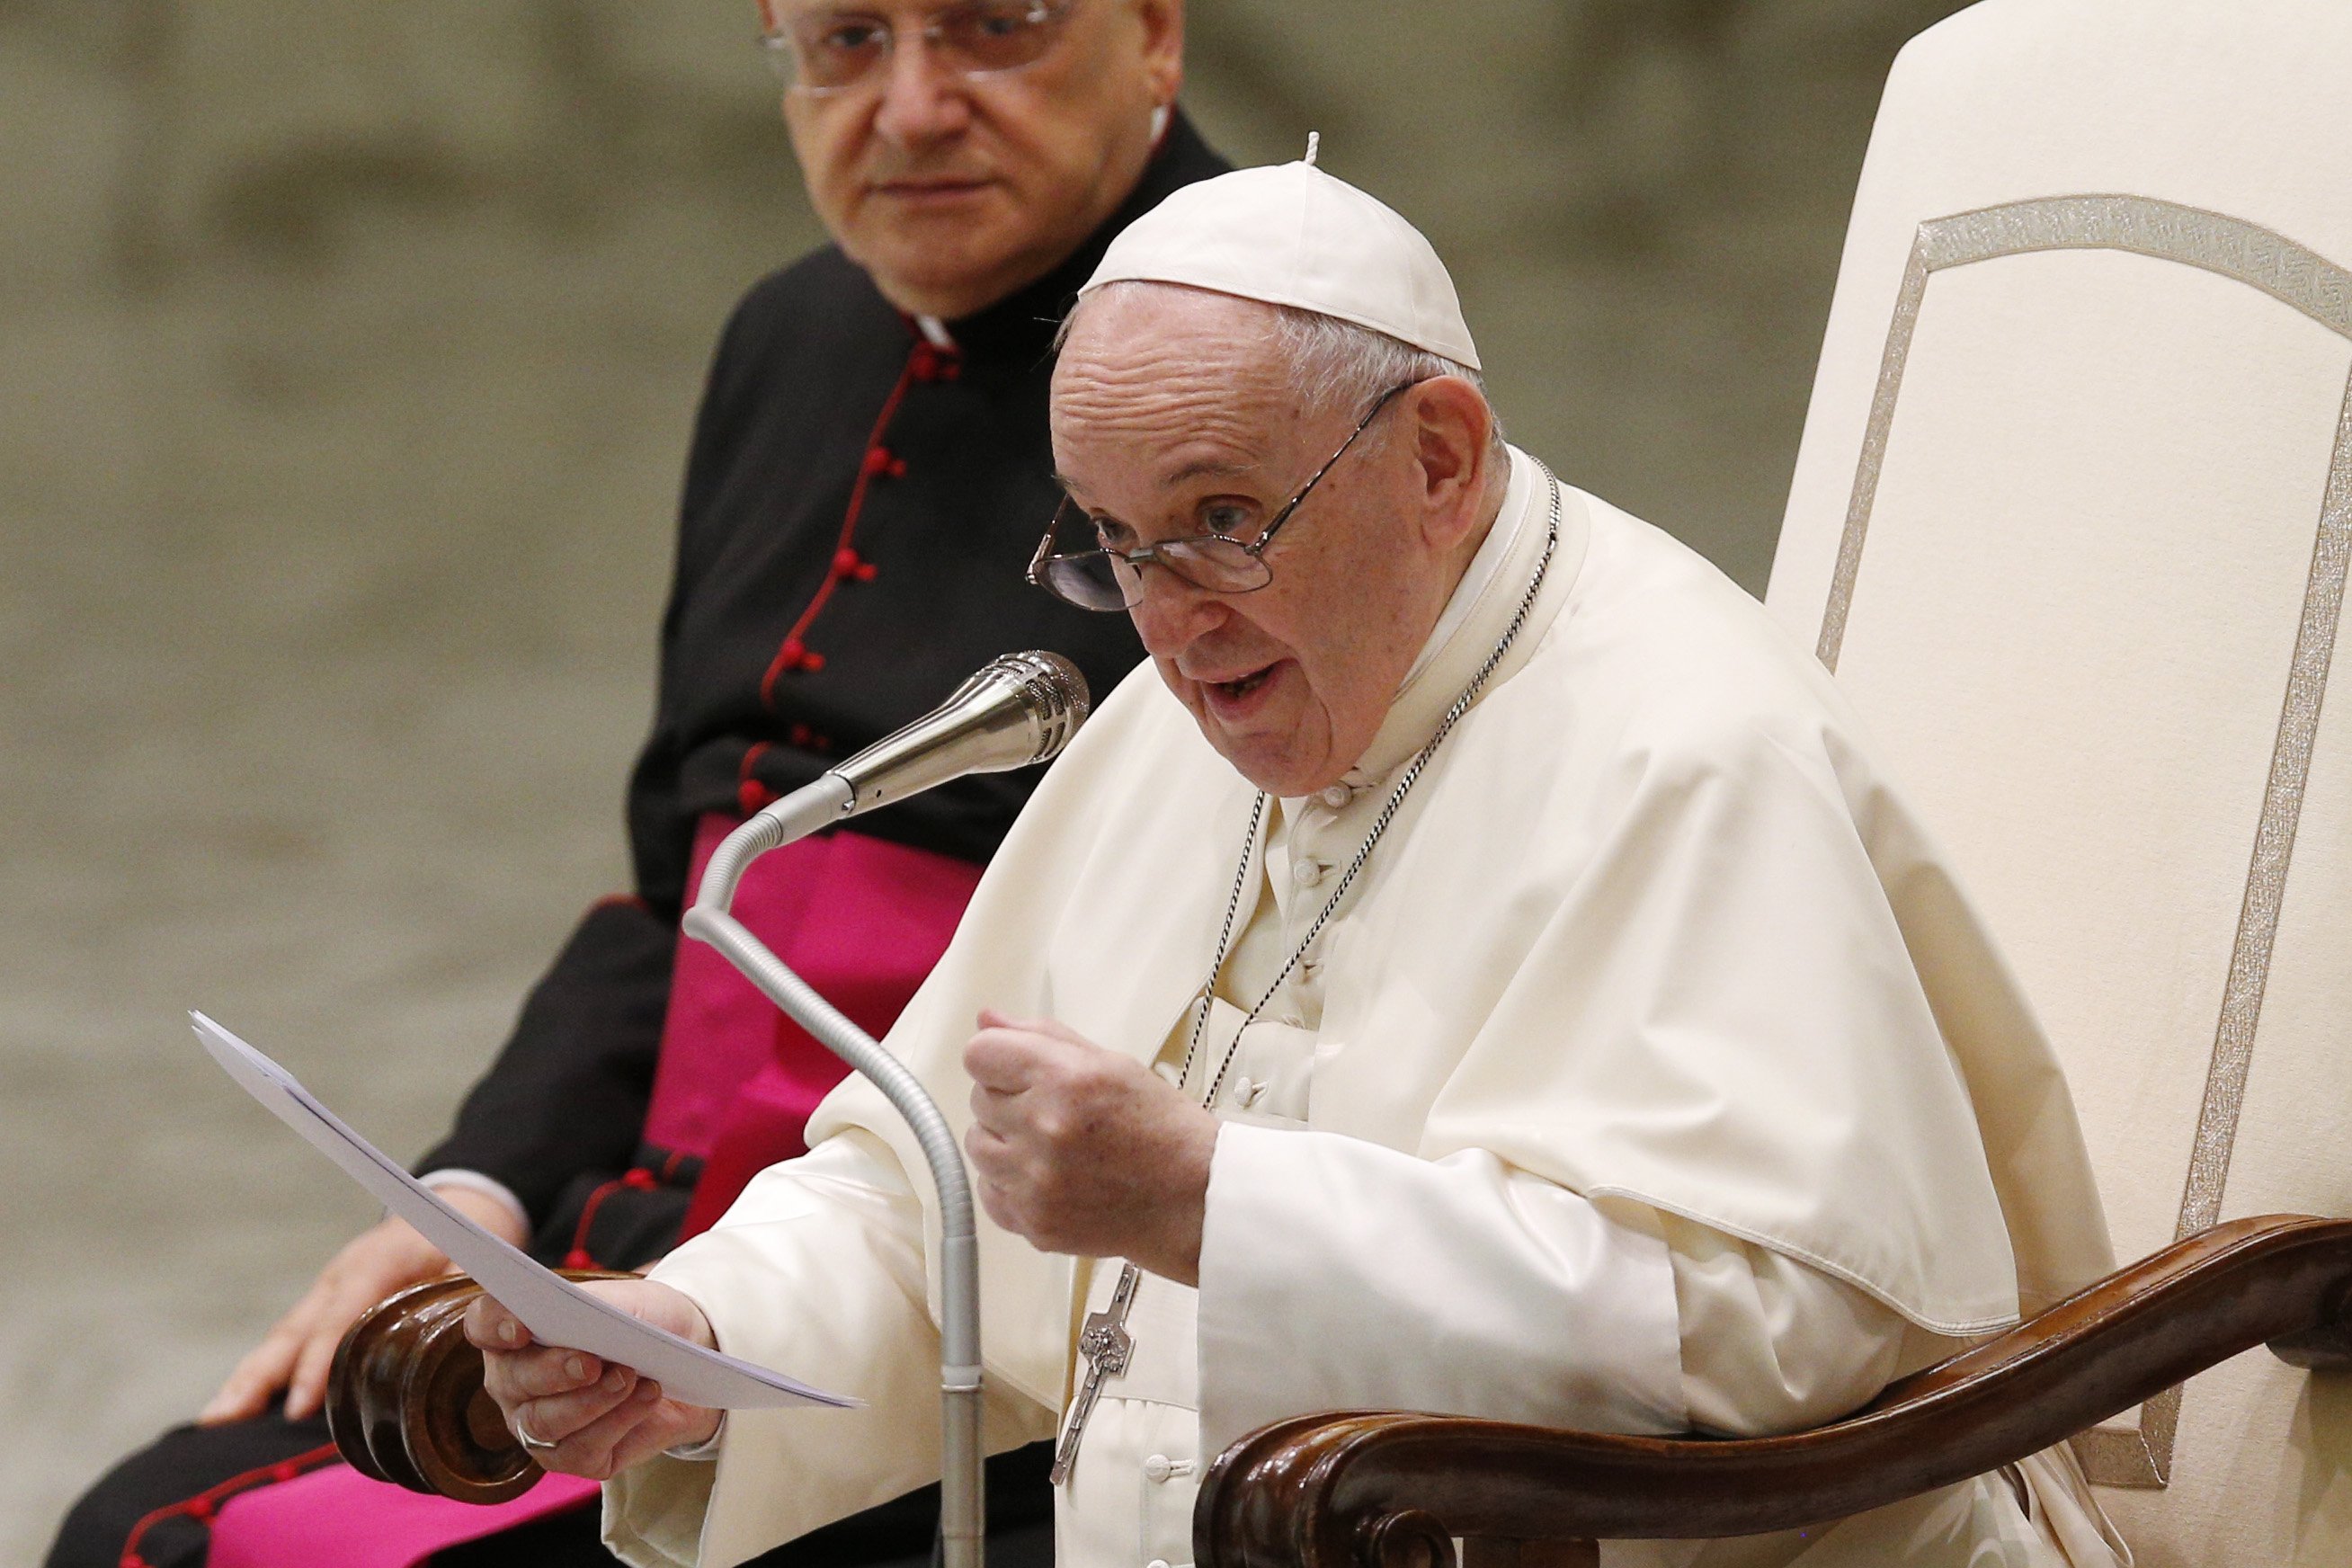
{"x":339,"y":1516}
{"x":861,"y":920}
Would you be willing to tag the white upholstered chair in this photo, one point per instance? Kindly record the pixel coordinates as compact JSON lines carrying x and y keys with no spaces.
{"x":2071,"y":522}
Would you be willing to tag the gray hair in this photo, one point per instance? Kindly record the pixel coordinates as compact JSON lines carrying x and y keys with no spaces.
{"x":1338,"y":364}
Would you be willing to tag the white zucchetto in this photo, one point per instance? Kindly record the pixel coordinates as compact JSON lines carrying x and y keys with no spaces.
{"x":1291,"y":235}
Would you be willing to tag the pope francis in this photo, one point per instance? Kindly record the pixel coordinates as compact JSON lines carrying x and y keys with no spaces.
{"x":1476,"y":969}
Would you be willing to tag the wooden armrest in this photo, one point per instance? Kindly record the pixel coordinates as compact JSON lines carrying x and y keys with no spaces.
{"x":1390,"y":1490}
{"x":406,"y":1402}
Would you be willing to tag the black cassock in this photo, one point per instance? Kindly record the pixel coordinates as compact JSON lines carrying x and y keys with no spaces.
{"x":858,"y":507}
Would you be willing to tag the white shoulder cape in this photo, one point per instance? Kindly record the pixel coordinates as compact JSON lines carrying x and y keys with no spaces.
{"x":1649,"y":925}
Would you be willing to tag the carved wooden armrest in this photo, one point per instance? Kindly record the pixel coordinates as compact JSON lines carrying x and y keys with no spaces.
{"x":1389,"y":1490}
{"x":406,"y":1402}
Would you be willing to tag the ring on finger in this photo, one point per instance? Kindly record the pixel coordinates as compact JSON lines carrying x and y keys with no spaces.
{"x":523,"y":1435}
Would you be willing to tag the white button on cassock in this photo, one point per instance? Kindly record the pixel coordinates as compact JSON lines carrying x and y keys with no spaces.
{"x":1335,"y":796}
{"x":1306,"y":873}
{"x":1158,"y":1469}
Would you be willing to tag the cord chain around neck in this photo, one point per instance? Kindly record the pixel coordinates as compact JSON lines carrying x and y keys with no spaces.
{"x":1380,"y":825}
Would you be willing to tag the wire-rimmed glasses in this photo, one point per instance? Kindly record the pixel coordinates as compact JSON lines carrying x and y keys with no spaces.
{"x":1107,"y":578}
{"x":825,"y":49}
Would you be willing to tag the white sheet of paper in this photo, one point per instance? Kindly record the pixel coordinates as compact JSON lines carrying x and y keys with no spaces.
{"x":557,"y":1311}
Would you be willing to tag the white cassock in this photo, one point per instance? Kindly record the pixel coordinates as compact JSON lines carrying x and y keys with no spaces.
{"x":1654,"y":1077}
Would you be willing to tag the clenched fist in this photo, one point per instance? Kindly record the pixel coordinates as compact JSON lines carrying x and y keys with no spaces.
{"x":1082,"y":1150}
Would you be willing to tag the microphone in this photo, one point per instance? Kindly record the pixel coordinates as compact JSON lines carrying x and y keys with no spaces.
{"x":1020,"y":708}
{"x":1017,"y":709}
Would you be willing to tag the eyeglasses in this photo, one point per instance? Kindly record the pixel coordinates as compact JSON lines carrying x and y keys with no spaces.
{"x":825,"y":49}
{"x":1109,"y":579}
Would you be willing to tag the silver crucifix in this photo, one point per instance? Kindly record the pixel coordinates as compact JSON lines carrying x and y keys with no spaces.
{"x":1106,"y":1344}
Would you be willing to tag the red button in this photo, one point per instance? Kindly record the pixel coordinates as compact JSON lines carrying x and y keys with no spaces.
{"x":931,"y":362}
{"x":752,"y":795}
{"x":878,"y":459}
{"x":578,"y":1258}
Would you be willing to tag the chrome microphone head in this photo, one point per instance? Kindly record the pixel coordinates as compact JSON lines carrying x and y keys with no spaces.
{"x":1017,"y":709}
{"x":1053,"y":693}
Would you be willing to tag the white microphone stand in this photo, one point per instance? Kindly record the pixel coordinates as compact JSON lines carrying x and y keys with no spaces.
{"x":795,"y":816}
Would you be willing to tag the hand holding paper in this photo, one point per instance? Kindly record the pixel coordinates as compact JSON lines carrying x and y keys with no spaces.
{"x":571,"y":1411}
{"x":556,"y":1311}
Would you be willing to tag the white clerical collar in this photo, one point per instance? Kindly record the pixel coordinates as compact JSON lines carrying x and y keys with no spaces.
{"x":1473,"y":617}
{"x":1483,"y":567}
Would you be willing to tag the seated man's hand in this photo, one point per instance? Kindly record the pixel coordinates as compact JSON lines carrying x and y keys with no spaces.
{"x":1082,"y":1150}
{"x":387,"y":1257}
{"x":600,"y":1419}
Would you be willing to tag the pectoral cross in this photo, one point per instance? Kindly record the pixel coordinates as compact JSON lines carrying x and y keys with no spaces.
{"x":1105,"y":1343}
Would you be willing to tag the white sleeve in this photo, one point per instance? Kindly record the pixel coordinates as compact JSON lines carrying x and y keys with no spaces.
{"x":1338,"y":1274}
{"x":817,"y":1270}
{"x":475,"y":1181}
{"x":1772,"y":1345}
{"x":1323,"y":1256}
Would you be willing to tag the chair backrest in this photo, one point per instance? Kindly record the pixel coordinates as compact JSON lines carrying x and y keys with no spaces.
{"x":2071,"y":521}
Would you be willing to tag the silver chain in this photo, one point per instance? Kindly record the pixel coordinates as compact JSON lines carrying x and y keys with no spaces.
{"x":1380,"y":825}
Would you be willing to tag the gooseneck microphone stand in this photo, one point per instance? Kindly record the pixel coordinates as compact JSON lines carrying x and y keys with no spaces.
{"x":1021,"y":708}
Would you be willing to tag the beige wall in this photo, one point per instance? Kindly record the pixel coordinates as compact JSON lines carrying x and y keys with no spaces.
{"x":349,"y":352}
